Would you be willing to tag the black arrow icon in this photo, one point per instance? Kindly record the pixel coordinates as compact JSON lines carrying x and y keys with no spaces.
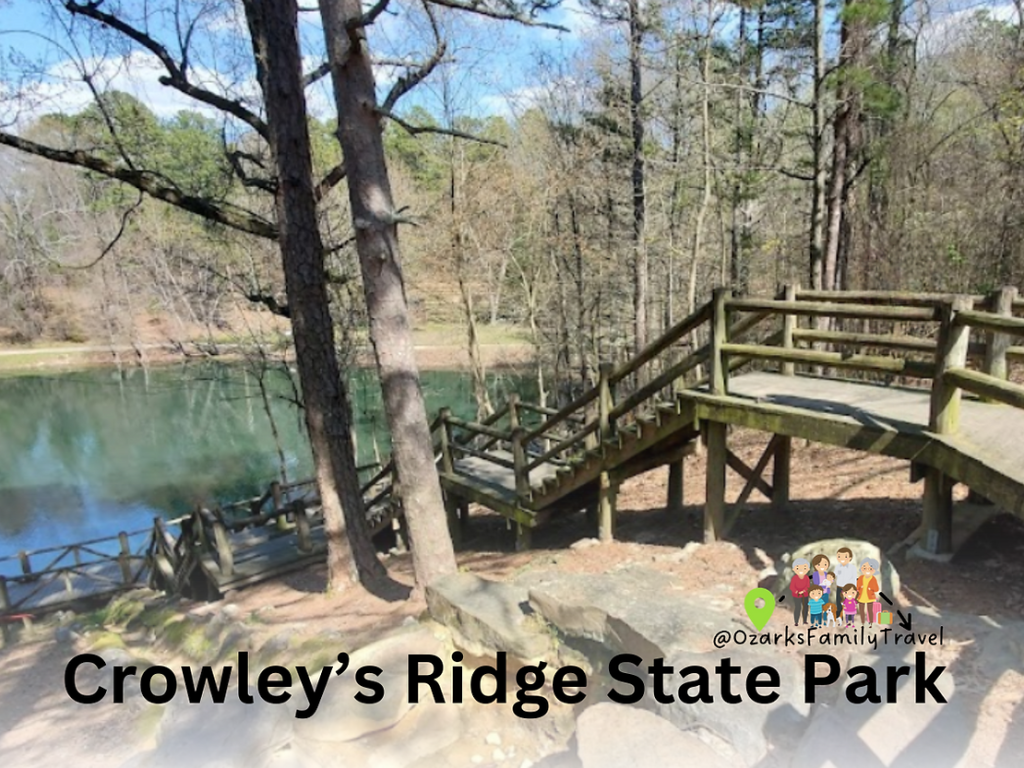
{"x":883,"y":596}
{"x":781,"y":597}
{"x":905,"y":622}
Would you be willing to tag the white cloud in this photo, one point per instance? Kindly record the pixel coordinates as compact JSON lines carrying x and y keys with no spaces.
{"x":62,"y":88}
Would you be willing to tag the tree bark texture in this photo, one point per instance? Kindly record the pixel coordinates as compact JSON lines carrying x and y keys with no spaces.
{"x":360,"y":136}
{"x":274,"y":30}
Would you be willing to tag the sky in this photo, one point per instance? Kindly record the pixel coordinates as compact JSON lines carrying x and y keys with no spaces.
{"x":491,"y":61}
{"x":495,"y":67}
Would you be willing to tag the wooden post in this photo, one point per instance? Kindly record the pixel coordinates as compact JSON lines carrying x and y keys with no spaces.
{"x":604,"y":403}
{"x":607,"y":490}
{"x":718,"y":378}
{"x":448,"y":468}
{"x":788,"y":326}
{"x":996,"y":344}
{"x":714,"y":507}
{"x":124,"y":558}
{"x":522,"y":481}
{"x":225,"y":557}
{"x":302,"y":526}
{"x":524,"y":537}
{"x":513,"y":410}
{"x":944,"y":419}
{"x":675,"y":487}
{"x":282,"y":519}
{"x":522,"y":477}
{"x":781,"y":469}
{"x":782,"y":463}
{"x":951,"y":353}
{"x":26,"y":565}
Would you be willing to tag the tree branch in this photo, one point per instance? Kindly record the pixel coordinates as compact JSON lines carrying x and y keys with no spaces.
{"x":329,"y":181}
{"x":317,"y":74}
{"x":252,"y":182}
{"x":176,"y":77}
{"x":150,"y":183}
{"x":481,"y":8}
{"x":414,"y":77}
{"x":369,"y":17}
{"x":415,"y":130}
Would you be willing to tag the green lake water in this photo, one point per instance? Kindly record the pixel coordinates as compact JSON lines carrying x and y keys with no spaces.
{"x":87,"y":454}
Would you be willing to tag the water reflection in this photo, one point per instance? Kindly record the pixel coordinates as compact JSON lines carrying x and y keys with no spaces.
{"x":86,"y":454}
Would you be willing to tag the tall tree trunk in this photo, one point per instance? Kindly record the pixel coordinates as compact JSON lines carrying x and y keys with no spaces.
{"x":373,"y":216}
{"x":705,"y":200}
{"x":274,"y":29}
{"x":640,"y":277}
{"x":817,"y":245}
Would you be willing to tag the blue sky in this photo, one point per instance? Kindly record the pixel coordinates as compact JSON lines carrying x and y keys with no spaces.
{"x":490,"y":60}
{"x":494,"y":67}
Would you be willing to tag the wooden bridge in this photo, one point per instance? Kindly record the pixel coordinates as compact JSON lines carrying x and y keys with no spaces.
{"x":921,"y":377}
{"x":931,"y":387}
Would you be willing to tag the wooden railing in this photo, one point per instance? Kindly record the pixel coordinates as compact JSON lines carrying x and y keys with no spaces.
{"x":906,"y":336}
{"x":55,"y":575}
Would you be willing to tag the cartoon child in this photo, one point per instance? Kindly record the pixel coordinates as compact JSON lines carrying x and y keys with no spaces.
{"x":867,"y":590}
{"x":830,"y":586}
{"x":816,"y":602}
{"x":846,"y":572}
{"x":799,"y":586}
{"x":820,"y":563}
{"x":849,"y":603}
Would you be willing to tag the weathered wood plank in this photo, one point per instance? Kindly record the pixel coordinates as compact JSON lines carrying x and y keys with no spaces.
{"x":987,"y":386}
{"x":835,"y":309}
{"x":877,"y":340}
{"x":896,"y":365}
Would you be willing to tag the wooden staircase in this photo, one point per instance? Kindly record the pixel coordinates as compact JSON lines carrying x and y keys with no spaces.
{"x":528,"y":462}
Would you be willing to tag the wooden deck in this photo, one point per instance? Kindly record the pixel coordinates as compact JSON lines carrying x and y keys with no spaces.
{"x":986,"y":452}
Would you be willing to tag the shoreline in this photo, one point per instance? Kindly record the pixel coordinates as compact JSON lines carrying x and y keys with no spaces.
{"x":21,"y":361}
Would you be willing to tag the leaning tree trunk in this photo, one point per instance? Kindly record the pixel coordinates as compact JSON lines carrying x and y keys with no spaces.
{"x":325,"y":396}
{"x":359,"y":133}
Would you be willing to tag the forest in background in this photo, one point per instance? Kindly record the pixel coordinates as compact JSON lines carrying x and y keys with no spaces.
{"x":874,"y":145}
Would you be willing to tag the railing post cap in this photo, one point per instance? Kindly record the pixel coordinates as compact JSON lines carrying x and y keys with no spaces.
{"x":605,"y":367}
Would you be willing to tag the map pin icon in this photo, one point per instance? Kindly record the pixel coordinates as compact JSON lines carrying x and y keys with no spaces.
{"x":759,"y":616}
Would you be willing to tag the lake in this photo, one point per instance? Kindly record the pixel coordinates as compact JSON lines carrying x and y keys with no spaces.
{"x":89,"y":453}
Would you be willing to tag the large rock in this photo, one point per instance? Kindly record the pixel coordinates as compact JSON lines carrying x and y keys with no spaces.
{"x":340,"y":717}
{"x":888,"y":579}
{"x":904,"y":733}
{"x":227,"y":735}
{"x":634,"y":610}
{"x":747,"y":726}
{"x":616,"y":736}
{"x":427,"y":729}
{"x":489,"y":616}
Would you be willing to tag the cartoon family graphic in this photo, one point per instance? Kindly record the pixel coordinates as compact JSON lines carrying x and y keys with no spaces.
{"x":836,"y":596}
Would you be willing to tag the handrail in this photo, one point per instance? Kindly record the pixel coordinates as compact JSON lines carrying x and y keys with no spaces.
{"x":585,"y":399}
{"x":878,"y":340}
{"x":987,"y":321}
{"x":569,"y":442}
{"x":688,"y":363}
{"x":833,"y":359}
{"x":670,"y":337}
{"x":545,"y":411}
{"x":59,"y":547}
{"x":834,"y":309}
{"x":478,"y":428}
{"x":987,"y":386}
{"x":902,"y":298}
{"x":493,"y":458}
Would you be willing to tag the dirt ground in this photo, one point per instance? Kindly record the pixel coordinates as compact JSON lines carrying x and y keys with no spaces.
{"x":835,"y":493}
